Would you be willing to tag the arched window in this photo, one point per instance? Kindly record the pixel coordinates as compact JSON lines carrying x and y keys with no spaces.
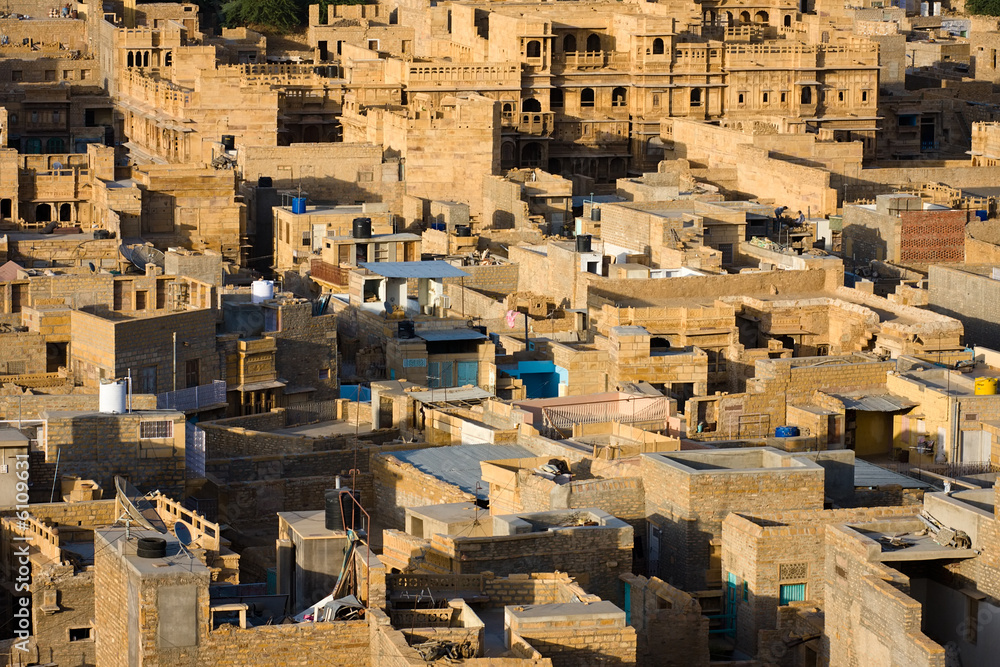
{"x":569,"y":44}
{"x":145,"y":59}
{"x":587,"y":97}
{"x":534,"y":49}
{"x":130,"y":60}
{"x":593,"y":42}
{"x":739,"y":100}
{"x":744,"y":17}
{"x":807,"y":95}
{"x":168,"y":58}
{"x":657,"y":47}
{"x":43,"y":213}
{"x":618,"y":97}
{"x":531,"y":105}
{"x":616,"y":168}
{"x":556,"y":99}
{"x":760,"y":18}
{"x":55,"y":145}
{"x":507,"y":154}
{"x":65,"y":213}
{"x":696,"y":97}
{"x":531,"y":155}
{"x":710,"y":17}
{"x":788,"y":20}
{"x":729,"y":19}
{"x":33,"y":146}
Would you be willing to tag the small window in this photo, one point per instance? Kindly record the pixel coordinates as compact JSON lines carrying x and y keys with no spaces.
{"x":79,"y":634}
{"x":765,"y":98}
{"x":84,"y":74}
{"x":140,"y":300}
{"x":656,"y":101}
{"x":784,"y":97}
{"x":50,"y":75}
{"x":534,"y":49}
{"x":746,"y":592}
{"x":740,"y":99}
{"x":840,"y":96}
{"x":159,"y":429}
{"x":305,"y":239}
{"x":587,"y":97}
{"x":864,"y":95}
{"x":16,"y":75}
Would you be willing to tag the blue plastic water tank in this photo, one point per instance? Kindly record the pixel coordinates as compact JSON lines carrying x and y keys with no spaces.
{"x":299,"y":205}
{"x":786,"y":431}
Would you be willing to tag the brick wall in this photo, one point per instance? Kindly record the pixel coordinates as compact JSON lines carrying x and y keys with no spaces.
{"x":929,"y":237}
{"x":578,"y":641}
{"x":100,"y":446}
{"x":339,"y":644}
{"x":754,"y":546}
{"x":400,"y":485}
{"x":594,"y":556}
{"x":870,"y":618}
{"x":671,"y":630}
{"x":689,"y":510}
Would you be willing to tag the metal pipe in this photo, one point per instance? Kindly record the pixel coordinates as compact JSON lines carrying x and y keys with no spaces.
{"x":175,"y":360}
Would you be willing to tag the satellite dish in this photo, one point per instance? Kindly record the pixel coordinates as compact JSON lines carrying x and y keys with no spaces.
{"x":138,"y":508}
{"x":183,"y":533}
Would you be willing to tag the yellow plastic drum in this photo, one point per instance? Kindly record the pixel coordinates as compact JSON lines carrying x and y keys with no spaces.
{"x":986,"y":386}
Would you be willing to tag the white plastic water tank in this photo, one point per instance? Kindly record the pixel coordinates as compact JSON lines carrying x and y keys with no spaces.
{"x":261,"y":290}
{"x":113,"y":396}
{"x":936,"y":8}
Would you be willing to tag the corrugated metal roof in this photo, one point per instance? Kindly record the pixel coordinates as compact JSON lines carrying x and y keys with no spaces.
{"x":874,"y":402}
{"x":450,"y":334}
{"x":459,"y":464}
{"x":434,"y":269}
{"x":869,"y":475}
{"x":450,"y":394}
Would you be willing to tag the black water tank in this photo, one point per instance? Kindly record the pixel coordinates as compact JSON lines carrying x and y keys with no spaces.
{"x":406,"y":329}
{"x":265,"y":182}
{"x":229,"y":142}
{"x":151,"y":547}
{"x":583,"y":243}
{"x":463,"y":230}
{"x":333,"y":520}
{"x":362,"y":228}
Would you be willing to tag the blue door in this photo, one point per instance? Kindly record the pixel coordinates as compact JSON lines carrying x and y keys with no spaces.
{"x":468,"y":373}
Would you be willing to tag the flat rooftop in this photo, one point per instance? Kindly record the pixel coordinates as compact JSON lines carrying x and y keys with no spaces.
{"x":327,"y":429}
{"x":451,"y":512}
{"x":734,"y":460}
{"x":899,"y":541}
{"x":458,"y":465}
{"x":534,"y":613}
{"x":310,"y":524}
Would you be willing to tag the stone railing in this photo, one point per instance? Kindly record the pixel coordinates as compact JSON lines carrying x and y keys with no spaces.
{"x":40,"y":536}
{"x":204,"y":533}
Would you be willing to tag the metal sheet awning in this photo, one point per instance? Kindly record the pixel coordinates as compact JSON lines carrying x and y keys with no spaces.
{"x":434,"y":269}
{"x":450,"y":334}
{"x":808,"y":83}
{"x":867,"y":475}
{"x":875,"y":402}
{"x":258,"y":386}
